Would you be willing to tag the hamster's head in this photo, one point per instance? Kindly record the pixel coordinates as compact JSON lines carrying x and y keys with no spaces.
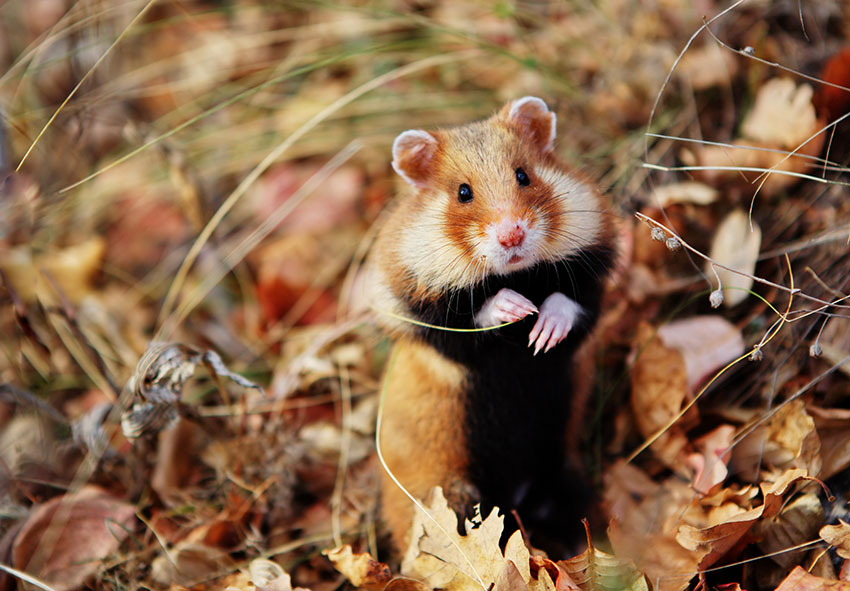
{"x":491,"y":198}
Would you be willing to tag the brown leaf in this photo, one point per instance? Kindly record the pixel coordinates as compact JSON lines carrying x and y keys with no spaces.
{"x":361,"y":569}
{"x":783,"y":118}
{"x":796,"y":524}
{"x":833,"y":429}
{"x":188,"y":563}
{"x":713,"y":542}
{"x":830,"y":101}
{"x":788,"y":439}
{"x":838,"y":536}
{"x":659,"y":390}
{"x":800,"y":580}
{"x":595,"y":570}
{"x":65,"y":539}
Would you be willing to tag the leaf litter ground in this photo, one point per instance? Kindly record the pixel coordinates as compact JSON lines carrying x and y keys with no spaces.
{"x":180,"y":179}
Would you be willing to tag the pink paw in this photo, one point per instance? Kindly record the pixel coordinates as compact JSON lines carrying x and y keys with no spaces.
{"x":558,"y":315}
{"x":506,"y":306}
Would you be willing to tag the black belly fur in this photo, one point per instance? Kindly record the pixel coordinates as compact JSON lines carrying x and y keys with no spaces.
{"x":517,"y":404}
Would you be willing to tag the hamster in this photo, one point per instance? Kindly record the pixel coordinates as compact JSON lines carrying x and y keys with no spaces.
{"x":494,"y":230}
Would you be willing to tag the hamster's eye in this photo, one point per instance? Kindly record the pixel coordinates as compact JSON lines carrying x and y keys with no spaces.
{"x":464,"y":193}
{"x":522,"y":178}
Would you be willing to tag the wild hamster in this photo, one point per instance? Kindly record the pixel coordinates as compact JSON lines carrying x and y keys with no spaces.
{"x":494,"y":230}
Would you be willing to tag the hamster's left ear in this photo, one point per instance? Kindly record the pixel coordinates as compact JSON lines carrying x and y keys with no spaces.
{"x":533,"y":120}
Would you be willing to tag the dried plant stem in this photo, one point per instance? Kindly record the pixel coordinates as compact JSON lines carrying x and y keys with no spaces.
{"x":82,"y":81}
{"x":280,"y":149}
{"x":25,"y":577}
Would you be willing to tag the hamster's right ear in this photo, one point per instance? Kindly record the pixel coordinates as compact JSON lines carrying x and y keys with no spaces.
{"x":413,"y":156}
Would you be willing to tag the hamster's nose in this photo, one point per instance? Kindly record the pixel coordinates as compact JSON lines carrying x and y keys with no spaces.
{"x":511,"y":236}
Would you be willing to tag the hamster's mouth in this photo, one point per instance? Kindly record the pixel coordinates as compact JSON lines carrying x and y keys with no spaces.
{"x":515,"y":259}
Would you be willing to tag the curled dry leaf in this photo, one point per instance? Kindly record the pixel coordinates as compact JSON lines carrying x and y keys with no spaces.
{"x":157,"y":384}
{"x":838,"y":536}
{"x":833,"y":429}
{"x":65,"y":539}
{"x":788,"y":439}
{"x":710,"y":463}
{"x":711,"y":543}
{"x":361,"y":569}
{"x":735,"y":245}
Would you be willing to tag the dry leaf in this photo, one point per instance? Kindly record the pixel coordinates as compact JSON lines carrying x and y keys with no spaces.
{"x":595,"y":570}
{"x":800,"y":580}
{"x":706,"y":343}
{"x":736,"y":246}
{"x":834,"y":102}
{"x":796,"y":524}
{"x":188,"y":563}
{"x":710,"y":464}
{"x":361,"y":569}
{"x":157,"y":384}
{"x":838,"y":536}
{"x":713,"y":542}
{"x":65,"y":539}
{"x":441,"y":557}
{"x":782,"y":119}
{"x":659,"y":390}
{"x":269,"y":576}
{"x":684,"y":192}
{"x":833,"y":428}
{"x":708,"y":66}
{"x":788,"y":439}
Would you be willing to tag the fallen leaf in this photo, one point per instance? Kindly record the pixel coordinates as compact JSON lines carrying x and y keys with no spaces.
{"x":188,"y":563}
{"x":440,"y":557}
{"x":782,"y":116}
{"x":157,"y":384}
{"x":833,"y":428}
{"x":838,"y":536}
{"x":788,"y":439}
{"x":659,"y":390}
{"x":796,"y":524}
{"x":800,"y":580}
{"x":361,"y":569}
{"x":684,"y":192}
{"x":269,"y":576}
{"x":712,"y":543}
{"x":706,"y":343}
{"x":64,"y":540}
{"x":830,"y":101}
{"x":708,"y":66}
{"x":595,"y":570}
{"x":710,"y":464}
{"x":782,"y":120}
{"x":735,"y":245}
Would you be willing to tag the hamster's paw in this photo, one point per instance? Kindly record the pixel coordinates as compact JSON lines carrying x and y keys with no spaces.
{"x":506,"y":306}
{"x":558,"y":315}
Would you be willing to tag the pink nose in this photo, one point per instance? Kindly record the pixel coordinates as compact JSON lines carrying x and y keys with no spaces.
{"x":511,"y":237}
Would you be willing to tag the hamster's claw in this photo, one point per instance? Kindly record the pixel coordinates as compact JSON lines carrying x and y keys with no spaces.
{"x":558,"y":315}
{"x":506,"y":306}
